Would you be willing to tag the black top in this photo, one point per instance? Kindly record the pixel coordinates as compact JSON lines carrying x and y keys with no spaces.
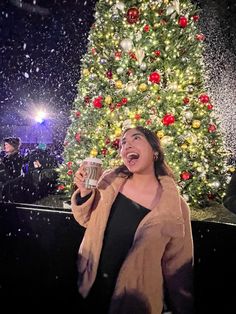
{"x":13,"y":165}
{"x":229,"y":200}
{"x":123,"y":221}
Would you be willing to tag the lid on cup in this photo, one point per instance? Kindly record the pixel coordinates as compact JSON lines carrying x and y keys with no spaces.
{"x":93,"y":159}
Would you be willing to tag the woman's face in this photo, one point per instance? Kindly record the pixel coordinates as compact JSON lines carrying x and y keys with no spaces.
{"x":8,"y":148}
{"x":136,"y":152}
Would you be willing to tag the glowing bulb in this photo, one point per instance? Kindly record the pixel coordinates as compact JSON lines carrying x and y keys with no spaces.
{"x":40,"y":116}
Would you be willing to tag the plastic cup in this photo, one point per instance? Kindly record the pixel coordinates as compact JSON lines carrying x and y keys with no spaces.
{"x":93,"y":169}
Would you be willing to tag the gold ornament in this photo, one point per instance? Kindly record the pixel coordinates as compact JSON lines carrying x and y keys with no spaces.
{"x":160,"y":134}
{"x":93,"y":152}
{"x":85,"y":72}
{"x":142,"y":87}
{"x":108,"y":100}
{"x":196,"y":124}
{"x":184,"y":146}
{"x":118,"y":132}
{"x":119,"y":84}
{"x":189,"y":140}
{"x":232,"y":169}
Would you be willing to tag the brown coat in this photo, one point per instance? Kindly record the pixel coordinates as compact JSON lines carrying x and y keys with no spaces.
{"x":161,"y":254}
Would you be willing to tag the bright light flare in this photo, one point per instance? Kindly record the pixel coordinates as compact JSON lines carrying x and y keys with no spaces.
{"x":40,"y":116}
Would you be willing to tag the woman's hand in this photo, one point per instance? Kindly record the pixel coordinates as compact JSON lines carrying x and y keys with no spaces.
{"x":79,"y":181}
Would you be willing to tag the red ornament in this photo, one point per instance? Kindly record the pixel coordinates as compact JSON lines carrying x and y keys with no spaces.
{"x":157,"y":53}
{"x":211,"y":128}
{"x":132,"y":15}
{"x":69,"y":164}
{"x":107,"y":141}
{"x":77,"y":137}
{"x":195,"y":18}
{"x":70,"y":172}
{"x":129,"y":72}
{"x":168,"y":119}
{"x":118,"y":55}
{"x":137,"y":116}
{"x":146,"y":28}
{"x":209,"y":106}
{"x":118,"y":105}
{"x":204,"y":98}
{"x":109,"y":74}
{"x":61,"y":187}
{"x":124,"y":101}
{"x":97,"y":102}
{"x":183,"y":21}
{"x":86,"y":99}
{"x":116,"y":143}
{"x":148,"y":122}
{"x":185,"y":175}
{"x":200,"y":37}
{"x":77,"y":114}
{"x":186,"y":100}
{"x":155,"y":77}
{"x":104,"y":151}
{"x":132,"y":55}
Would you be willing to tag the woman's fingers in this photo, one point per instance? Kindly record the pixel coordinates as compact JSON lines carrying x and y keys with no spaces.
{"x":79,"y":180}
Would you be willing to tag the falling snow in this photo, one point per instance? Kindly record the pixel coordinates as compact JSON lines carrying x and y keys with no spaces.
{"x":219,"y":27}
{"x":43,"y":45}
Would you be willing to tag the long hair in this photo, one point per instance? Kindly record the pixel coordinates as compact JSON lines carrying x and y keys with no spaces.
{"x":161,"y":168}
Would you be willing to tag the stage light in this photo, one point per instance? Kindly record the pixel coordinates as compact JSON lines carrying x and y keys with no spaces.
{"x":40,"y":117}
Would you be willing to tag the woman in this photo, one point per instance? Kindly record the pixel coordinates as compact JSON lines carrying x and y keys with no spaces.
{"x":137,"y":250}
{"x":12,"y":160}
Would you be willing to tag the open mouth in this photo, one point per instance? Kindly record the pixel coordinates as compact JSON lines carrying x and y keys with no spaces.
{"x":132,"y":157}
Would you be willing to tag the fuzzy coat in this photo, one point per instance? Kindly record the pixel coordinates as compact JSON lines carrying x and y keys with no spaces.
{"x":161,"y":256}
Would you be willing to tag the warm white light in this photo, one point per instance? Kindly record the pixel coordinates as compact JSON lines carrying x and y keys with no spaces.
{"x":40,"y":116}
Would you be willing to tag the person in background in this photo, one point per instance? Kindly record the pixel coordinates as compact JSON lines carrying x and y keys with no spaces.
{"x":137,"y":252}
{"x":229,"y":200}
{"x":40,"y":158}
{"x":12,"y":159}
{"x":11,"y":164}
{"x":41,"y":176}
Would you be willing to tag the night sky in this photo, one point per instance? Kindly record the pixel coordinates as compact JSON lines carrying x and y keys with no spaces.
{"x":42,"y":42}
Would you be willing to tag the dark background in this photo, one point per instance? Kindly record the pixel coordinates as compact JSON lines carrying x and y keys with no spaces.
{"x":41,"y":47}
{"x":39,"y":252}
{"x":42,"y":42}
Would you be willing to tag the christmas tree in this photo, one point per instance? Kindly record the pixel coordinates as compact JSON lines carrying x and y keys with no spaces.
{"x":144,"y":66}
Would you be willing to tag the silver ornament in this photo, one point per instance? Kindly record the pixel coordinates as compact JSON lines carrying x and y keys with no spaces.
{"x":126,"y":44}
{"x":188,"y":115}
{"x":103,"y":61}
{"x":190,"y":89}
{"x":143,"y":66}
{"x":120,"y":70}
{"x":215,"y":184}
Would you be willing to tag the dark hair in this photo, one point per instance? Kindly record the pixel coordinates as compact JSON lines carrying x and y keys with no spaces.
{"x":160,"y":166}
{"x":13,"y":141}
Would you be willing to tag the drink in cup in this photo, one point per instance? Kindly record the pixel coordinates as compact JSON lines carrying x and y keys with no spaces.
{"x":93,"y":169}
